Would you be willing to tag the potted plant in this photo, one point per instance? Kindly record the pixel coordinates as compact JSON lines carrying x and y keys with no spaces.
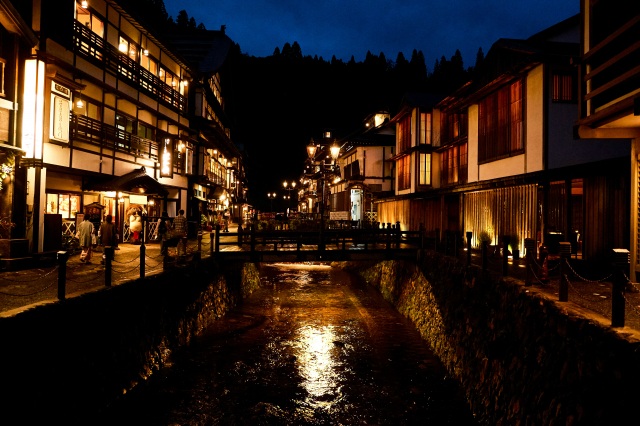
{"x":484,"y":238}
{"x":515,"y":246}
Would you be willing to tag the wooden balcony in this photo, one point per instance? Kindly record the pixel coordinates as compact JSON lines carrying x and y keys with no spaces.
{"x":610,"y":74}
{"x":94,"y":132}
{"x":93,"y":48}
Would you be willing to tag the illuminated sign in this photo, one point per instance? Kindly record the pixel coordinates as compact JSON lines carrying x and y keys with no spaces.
{"x":33,"y":108}
{"x":61,"y":104}
{"x":166,"y":158}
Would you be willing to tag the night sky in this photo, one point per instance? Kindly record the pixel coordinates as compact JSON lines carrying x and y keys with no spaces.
{"x":351,"y":28}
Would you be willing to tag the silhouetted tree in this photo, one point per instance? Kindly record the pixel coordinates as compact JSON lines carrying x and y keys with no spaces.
{"x":182,"y":20}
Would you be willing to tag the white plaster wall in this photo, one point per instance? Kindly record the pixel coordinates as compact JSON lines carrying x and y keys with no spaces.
{"x":472,"y":144}
{"x":534,"y":121}
{"x":502,"y":168}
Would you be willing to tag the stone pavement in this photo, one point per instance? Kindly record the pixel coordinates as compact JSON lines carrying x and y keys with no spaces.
{"x":22,"y":289}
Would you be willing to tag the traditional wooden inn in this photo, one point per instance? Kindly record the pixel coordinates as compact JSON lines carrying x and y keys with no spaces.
{"x":503,"y":158}
{"x":107,"y":120}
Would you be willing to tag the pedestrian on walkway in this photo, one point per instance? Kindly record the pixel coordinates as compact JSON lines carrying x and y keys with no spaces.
{"x":107,"y":234}
{"x":180,"y":231}
{"x":227,"y":219}
{"x":85,"y":238}
{"x":164,"y":232}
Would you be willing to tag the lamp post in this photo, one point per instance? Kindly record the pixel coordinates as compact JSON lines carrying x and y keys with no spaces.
{"x":289,"y":186}
{"x":324,"y":169}
{"x":271,"y":196}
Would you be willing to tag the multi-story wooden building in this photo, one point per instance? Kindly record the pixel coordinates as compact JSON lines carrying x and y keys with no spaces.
{"x":366,"y":169}
{"x":609,"y":98}
{"x":507,"y":162}
{"x":108,"y":121}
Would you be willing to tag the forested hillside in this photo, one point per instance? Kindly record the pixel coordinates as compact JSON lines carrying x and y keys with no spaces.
{"x":275,"y":104}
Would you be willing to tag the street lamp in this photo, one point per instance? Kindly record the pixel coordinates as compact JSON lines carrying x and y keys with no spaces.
{"x":271,"y":196}
{"x":324,"y":170}
{"x":289,"y":186}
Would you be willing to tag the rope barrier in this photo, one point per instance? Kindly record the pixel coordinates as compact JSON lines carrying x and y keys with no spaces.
{"x":46,"y":274}
{"x":585,"y":279}
{"x":47,"y":287}
{"x":125,"y":271}
{"x":132,"y":260}
{"x":77,"y":281}
{"x":536,"y":276}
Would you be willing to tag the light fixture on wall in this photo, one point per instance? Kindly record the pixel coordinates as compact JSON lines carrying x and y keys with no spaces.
{"x":84,"y":4}
{"x":145,"y":52}
{"x":79,"y":102}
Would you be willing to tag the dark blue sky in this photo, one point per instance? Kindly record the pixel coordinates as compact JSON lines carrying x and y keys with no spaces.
{"x":346,"y":28}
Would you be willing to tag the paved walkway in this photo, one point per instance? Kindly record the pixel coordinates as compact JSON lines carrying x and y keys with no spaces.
{"x":22,"y":289}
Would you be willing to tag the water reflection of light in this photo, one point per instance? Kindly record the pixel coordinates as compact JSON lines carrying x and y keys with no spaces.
{"x":317,"y":364}
{"x":302,"y":266}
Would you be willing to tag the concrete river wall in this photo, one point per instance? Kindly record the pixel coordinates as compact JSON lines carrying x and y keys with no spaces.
{"x":521,"y":357}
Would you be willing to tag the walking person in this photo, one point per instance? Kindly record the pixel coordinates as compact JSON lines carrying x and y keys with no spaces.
{"x":85,"y":237}
{"x":107,"y":234}
{"x":180,"y":231}
{"x":164,"y":232}
{"x":227,"y":218}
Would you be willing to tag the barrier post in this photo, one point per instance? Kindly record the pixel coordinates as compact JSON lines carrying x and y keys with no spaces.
{"x":544,"y":261}
{"x":469,"y":236}
{"x":484,"y":249}
{"x":62,"y":257}
{"x":210,"y":243}
{"x":216,"y":237}
{"x":565,"y":253}
{"x":108,"y":265}
{"x":530,"y":249}
{"x":505,"y":255}
{"x":143,"y":254}
{"x":621,"y":268}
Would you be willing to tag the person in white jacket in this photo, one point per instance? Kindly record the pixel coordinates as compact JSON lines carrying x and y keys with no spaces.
{"x":85,"y":237}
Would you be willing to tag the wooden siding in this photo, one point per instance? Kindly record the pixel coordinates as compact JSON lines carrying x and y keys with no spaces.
{"x":606,"y":216}
{"x":435,"y":214}
{"x":505,"y":211}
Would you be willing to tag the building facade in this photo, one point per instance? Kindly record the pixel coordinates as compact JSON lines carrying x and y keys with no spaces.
{"x":507,"y":162}
{"x":366,"y":169}
{"x":609,"y":96}
{"x":108,"y":123}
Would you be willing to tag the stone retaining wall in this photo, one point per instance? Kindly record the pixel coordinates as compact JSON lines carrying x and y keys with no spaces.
{"x":67,"y":360}
{"x":520,"y":357}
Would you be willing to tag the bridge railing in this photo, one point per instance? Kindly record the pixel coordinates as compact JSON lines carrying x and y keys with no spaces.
{"x":329,"y":239}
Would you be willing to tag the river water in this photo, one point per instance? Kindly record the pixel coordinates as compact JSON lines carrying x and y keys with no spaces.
{"x":313,"y":346}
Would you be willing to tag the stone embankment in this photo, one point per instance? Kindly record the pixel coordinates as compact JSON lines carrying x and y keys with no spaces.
{"x":521,"y":357}
{"x":67,"y":360}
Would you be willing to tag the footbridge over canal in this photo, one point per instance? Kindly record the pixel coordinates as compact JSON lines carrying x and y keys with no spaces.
{"x":309,"y":246}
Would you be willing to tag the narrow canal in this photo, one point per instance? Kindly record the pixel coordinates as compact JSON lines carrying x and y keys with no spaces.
{"x":313,"y":346}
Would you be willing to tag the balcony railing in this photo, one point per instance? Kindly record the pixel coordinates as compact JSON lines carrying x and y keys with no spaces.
{"x":610,"y":73}
{"x":92,"y":47}
{"x":95,"y":132}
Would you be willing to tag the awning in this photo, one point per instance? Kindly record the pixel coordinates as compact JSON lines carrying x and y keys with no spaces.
{"x":215,"y":192}
{"x":134,"y":182}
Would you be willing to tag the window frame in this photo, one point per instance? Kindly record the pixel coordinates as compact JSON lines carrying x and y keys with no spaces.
{"x":501,"y":120}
